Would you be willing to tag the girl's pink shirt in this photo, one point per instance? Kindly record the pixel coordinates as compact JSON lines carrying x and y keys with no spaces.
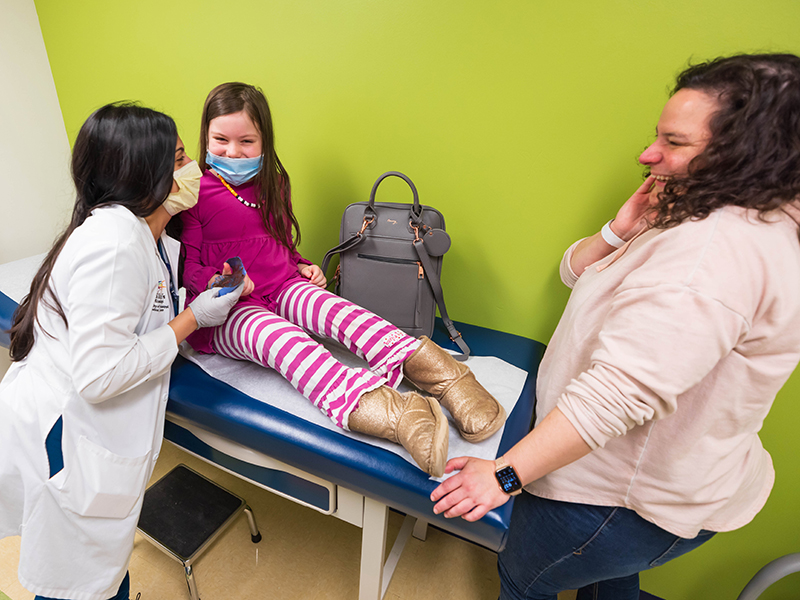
{"x":220,"y":227}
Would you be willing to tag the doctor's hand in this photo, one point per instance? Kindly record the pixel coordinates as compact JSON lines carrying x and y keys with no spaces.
{"x":210,"y":309}
{"x":313,"y":273}
{"x":471,"y":493}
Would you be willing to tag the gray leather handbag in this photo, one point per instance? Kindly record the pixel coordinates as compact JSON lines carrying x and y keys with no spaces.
{"x":391,"y":261}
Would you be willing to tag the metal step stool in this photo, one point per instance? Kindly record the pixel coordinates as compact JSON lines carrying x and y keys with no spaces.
{"x":183,"y":512}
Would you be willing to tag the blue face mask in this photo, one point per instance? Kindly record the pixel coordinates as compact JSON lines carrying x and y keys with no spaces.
{"x":235,"y":171}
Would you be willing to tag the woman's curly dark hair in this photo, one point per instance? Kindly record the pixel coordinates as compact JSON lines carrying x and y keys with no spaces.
{"x":753,"y":156}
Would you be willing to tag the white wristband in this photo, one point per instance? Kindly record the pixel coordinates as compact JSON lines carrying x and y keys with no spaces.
{"x":611,"y":238}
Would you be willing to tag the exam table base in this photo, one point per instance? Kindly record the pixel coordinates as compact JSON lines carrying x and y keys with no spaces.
{"x":370,"y":515}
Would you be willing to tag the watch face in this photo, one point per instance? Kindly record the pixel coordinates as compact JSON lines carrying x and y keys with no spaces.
{"x":509,"y":482}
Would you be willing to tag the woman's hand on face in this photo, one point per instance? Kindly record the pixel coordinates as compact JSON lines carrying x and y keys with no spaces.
{"x":632,"y":216}
{"x":471,"y":493}
{"x":314,"y":274}
{"x":631,"y":219}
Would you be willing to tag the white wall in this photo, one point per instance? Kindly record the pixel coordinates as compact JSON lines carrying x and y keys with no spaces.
{"x":35,"y":191}
{"x":36,"y":194}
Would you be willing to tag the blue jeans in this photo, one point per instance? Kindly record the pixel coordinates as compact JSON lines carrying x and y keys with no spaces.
{"x":123,"y":593}
{"x":599,"y":550}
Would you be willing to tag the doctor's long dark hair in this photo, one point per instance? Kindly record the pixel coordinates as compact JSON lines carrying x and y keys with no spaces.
{"x":753,"y":157}
{"x":124,"y":154}
{"x":272,"y":181}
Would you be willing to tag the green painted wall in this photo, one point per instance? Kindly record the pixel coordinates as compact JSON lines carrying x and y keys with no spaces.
{"x":520,"y":121}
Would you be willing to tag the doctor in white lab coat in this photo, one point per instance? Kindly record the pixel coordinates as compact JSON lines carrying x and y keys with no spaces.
{"x":82,"y":406}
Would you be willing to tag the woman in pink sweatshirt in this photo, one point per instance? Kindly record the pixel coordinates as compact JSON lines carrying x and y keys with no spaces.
{"x":682,"y":325}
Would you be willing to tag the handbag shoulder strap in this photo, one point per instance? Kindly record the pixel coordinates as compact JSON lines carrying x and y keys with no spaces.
{"x":350,"y":242}
{"x":438,"y":294}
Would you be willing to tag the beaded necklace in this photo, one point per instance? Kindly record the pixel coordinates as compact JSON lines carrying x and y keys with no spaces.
{"x":237,"y":196}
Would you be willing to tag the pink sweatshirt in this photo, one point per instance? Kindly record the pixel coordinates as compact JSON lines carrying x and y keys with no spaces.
{"x":667,"y":360}
{"x":220,"y":227}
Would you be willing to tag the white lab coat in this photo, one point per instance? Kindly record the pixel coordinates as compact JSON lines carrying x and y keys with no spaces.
{"x":107,"y":375}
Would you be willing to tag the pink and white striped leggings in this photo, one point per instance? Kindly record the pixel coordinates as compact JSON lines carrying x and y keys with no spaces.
{"x":278,"y":340}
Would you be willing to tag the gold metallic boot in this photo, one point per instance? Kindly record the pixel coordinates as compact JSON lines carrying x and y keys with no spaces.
{"x":415,"y":422}
{"x":477,"y":414}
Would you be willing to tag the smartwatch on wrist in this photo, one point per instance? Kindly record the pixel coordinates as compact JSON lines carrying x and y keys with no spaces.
{"x":507,"y":477}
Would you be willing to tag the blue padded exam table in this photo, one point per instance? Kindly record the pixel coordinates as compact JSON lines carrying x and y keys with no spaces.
{"x":325,"y":470}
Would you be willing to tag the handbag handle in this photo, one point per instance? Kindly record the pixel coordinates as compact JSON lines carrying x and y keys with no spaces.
{"x":370,"y":215}
{"x":416,"y":210}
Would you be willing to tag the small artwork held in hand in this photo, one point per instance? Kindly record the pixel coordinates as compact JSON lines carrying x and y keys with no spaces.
{"x":228,"y":283}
